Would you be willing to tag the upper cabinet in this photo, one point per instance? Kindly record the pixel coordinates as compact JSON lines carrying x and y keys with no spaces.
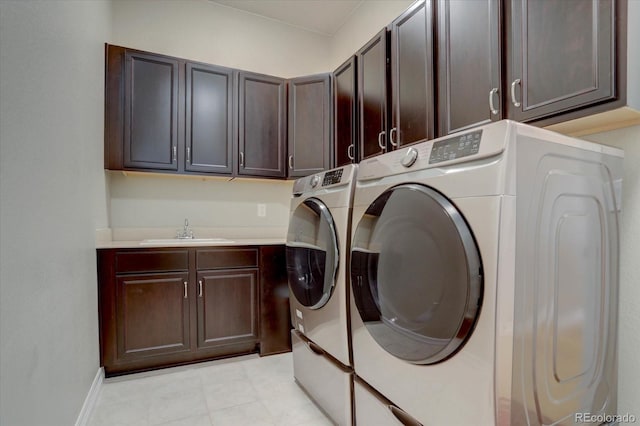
{"x":561,"y":59}
{"x":141,"y":110}
{"x":171,"y":115}
{"x":441,"y":67}
{"x":309,"y":134}
{"x":345,"y":98}
{"x":262,"y":125}
{"x":560,"y":55}
{"x":210,"y":118}
{"x":412,"y":73}
{"x":150,"y":111}
{"x":395,"y":83}
{"x":372,"y":96}
{"x":469,"y":64}
{"x":167,"y":114}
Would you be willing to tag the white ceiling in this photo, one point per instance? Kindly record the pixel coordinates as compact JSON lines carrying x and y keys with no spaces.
{"x":320,"y":16}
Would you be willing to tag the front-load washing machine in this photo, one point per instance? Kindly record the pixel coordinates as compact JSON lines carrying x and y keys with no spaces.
{"x":317,"y":264}
{"x":484,"y":277}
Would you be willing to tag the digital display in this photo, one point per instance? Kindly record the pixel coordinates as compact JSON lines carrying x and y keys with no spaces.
{"x":334,"y":176}
{"x":455,"y":147}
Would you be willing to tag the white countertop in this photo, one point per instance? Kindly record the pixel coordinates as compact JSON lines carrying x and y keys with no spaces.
{"x":134,"y":237}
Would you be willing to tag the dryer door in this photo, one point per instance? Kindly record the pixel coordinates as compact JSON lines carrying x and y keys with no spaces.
{"x":312,"y":253}
{"x":416,"y":274}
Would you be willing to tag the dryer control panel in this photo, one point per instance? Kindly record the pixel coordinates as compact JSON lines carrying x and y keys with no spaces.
{"x":332,"y":177}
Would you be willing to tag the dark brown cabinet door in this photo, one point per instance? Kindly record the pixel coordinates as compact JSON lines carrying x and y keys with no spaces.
{"x":345,"y":113}
{"x":209,"y":118}
{"x":412,"y":84}
{"x":150,"y":112}
{"x":275,"y":318}
{"x":309,"y":137}
{"x":262,"y":125}
{"x":227,"y":307}
{"x":560,"y":56}
{"x":469,"y":64}
{"x":372,"y":96}
{"x":152,"y":315}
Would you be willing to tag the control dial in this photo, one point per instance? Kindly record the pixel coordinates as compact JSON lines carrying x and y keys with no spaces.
{"x":315,"y":180}
{"x":409,"y":158}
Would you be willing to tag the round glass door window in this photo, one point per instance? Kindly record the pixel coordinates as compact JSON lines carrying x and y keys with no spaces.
{"x":312,"y":253}
{"x":416,"y":274}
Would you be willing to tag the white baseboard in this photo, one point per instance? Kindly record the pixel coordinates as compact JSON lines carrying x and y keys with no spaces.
{"x":91,"y":399}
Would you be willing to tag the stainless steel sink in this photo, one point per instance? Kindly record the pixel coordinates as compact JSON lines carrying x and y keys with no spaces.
{"x":184,"y":241}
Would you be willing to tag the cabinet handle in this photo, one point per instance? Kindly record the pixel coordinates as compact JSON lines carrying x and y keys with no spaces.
{"x":381,"y":140}
{"x":199,"y":288}
{"x":188,"y":154}
{"x":514,"y":101}
{"x":241,"y":159}
{"x":315,"y":348}
{"x":404,"y":418}
{"x":185,"y":289}
{"x":174,"y":154}
{"x":291,"y":162}
{"x":492,"y":93}
{"x":350,"y":152}
{"x":391,"y":133}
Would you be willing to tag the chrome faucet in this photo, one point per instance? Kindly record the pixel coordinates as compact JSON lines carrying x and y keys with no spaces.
{"x":186,"y":231}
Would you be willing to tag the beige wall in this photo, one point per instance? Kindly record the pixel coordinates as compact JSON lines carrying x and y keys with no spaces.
{"x":629,"y":338}
{"x":52,"y":198}
{"x":157,"y":201}
{"x":205,"y":31}
{"x":370,"y":18}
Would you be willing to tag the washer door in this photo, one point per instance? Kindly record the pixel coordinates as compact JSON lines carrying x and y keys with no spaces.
{"x":416,"y":274}
{"x":312,"y":253}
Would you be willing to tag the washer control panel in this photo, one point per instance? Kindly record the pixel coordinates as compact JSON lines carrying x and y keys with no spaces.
{"x":438,"y":154}
{"x":332,"y":177}
{"x":455,"y":147}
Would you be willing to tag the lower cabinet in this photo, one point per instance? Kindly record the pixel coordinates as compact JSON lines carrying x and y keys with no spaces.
{"x":152,"y":315}
{"x":168,"y":306}
{"x":227,"y":308}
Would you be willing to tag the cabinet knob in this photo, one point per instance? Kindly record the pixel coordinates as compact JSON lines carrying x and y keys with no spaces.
{"x":514,"y":101}
{"x":174,"y":154}
{"x":291,"y":162}
{"x":188,"y":154}
{"x":241,"y":159}
{"x":185,"y":290}
{"x":350,"y":152}
{"x":199,"y":288}
{"x":492,"y":93}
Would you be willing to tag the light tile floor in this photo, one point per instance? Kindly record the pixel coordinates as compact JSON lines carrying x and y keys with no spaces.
{"x":247,"y":390}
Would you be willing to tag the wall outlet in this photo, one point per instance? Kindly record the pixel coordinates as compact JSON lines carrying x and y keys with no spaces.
{"x":262,"y":210}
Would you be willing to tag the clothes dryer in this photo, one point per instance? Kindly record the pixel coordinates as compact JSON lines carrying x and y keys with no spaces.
{"x":484,"y":277}
{"x":317,"y":264}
